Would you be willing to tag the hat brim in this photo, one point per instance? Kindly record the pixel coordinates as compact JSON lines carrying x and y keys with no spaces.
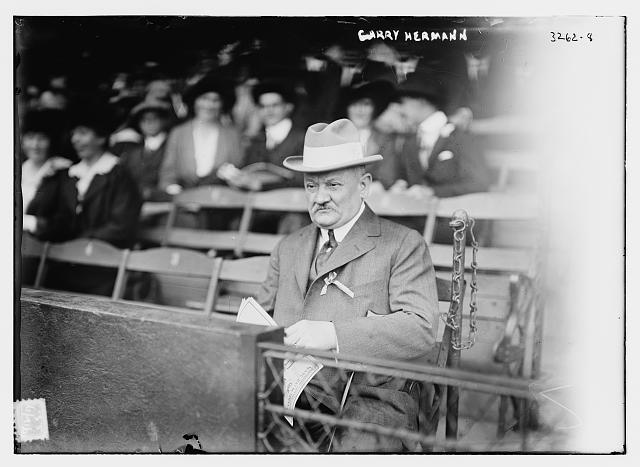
{"x":295,"y":163}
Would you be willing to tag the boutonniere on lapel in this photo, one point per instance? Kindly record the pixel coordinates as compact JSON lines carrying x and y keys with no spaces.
{"x":331,"y":279}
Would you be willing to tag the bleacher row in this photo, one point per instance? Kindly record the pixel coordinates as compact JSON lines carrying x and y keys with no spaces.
{"x":496,"y":207}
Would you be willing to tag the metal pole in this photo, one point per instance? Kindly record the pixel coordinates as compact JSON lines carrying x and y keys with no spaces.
{"x":459,"y":222}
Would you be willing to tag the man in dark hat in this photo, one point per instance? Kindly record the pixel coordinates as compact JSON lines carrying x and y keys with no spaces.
{"x":437,"y":158}
{"x":280,"y":136}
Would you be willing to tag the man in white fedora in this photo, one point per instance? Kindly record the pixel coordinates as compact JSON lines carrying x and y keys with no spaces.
{"x":353,"y":283}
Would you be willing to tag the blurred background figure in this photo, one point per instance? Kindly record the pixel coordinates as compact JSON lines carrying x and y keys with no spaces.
{"x":97,"y":198}
{"x":41,"y":174}
{"x":379,"y":64}
{"x":99,"y":190}
{"x":279,"y":137}
{"x":143,"y":158}
{"x":362,"y":104}
{"x":197,"y":148}
{"x":435,"y":158}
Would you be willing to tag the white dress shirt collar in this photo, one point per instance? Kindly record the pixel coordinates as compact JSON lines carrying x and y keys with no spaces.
{"x":342,"y":231}
{"x":278,"y":132}
{"x":152,"y":143}
{"x":429,"y":129}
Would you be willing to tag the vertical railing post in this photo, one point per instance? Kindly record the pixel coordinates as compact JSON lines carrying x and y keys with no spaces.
{"x":260,"y":400}
{"x":459,"y":222}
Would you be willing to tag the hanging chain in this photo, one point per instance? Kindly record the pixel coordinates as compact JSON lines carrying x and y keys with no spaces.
{"x":473,"y":302}
{"x":457,"y":279}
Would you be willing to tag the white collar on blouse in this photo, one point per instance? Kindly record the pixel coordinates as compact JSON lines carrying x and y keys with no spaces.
{"x":278,"y":132}
{"x":85,"y":173}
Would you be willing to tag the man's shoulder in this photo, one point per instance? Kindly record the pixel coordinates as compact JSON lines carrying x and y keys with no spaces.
{"x":296,"y":237}
{"x":397,"y":233}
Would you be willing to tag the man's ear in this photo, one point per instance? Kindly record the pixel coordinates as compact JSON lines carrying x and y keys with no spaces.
{"x":365,"y":184}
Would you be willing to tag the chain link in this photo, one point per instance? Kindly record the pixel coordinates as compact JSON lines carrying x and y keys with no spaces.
{"x":457,"y":279}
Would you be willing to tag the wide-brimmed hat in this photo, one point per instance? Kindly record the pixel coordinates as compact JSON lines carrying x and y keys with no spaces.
{"x":425,"y":85}
{"x":277,"y":86}
{"x":150,"y":105}
{"x":222,"y":87}
{"x":45,"y":121}
{"x":330,"y":146}
{"x":95,"y":115}
{"x":380,"y":92}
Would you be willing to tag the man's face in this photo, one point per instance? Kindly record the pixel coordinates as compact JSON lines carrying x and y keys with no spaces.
{"x":151,"y":123}
{"x":413,"y":111}
{"x":273,"y":109}
{"x":333,"y":198}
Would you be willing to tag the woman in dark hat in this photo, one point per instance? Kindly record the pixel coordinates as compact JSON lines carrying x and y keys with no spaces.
{"x":363,"y":103}
{"x":41,"y":173}
{"x":98,"y":198}
{"x":198,"y":147}
{"x":143,"y":158}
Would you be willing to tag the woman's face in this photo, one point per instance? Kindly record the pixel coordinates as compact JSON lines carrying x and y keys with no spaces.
{"x":208,"y":107}
{"x":360,"y":113}
{"x":36,"y":146}
{"x":87,"y":142}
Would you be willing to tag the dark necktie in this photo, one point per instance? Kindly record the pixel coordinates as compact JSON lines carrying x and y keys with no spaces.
{"x":325,"y":252}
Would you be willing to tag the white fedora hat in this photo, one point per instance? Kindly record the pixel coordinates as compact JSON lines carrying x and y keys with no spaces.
{"x":330,"y":146}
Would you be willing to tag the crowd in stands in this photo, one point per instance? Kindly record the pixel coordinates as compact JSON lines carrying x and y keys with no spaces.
{"x":89,"y":162}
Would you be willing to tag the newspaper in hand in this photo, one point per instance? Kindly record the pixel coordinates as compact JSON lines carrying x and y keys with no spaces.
{"x":297,"y":373}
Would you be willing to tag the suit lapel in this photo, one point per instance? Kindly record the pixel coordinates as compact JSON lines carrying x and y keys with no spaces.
{"x":437,"y":147}
{"x":356,"y":243}
{"x":306,"y":247}
{"x":221,"y":150}
{"x":414,"y":168}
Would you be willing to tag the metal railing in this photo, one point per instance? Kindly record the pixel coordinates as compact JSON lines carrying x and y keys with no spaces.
{"x":319,"y":425}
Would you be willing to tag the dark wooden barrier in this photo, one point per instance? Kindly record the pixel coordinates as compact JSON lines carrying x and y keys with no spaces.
{"x":120,"y":377}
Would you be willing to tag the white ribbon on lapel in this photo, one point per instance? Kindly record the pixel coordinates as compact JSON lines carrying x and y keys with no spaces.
{"x":331,"y":279}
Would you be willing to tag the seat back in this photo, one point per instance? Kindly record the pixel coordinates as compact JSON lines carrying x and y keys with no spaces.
{"x":85,"y":251}
{"x":194,"y":200}
{"x":32,"y":253}
{"x":239,"y":278}
{"x":31,"y":247}
{"x":512,"y":166}
{"x":508,"y":209}
{"x":290,"y":200}
{"x":174,"y":262}
{"x":282,"y":199}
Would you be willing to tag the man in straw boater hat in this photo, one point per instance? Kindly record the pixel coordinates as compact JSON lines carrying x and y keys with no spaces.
{"x":353,"y":283}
